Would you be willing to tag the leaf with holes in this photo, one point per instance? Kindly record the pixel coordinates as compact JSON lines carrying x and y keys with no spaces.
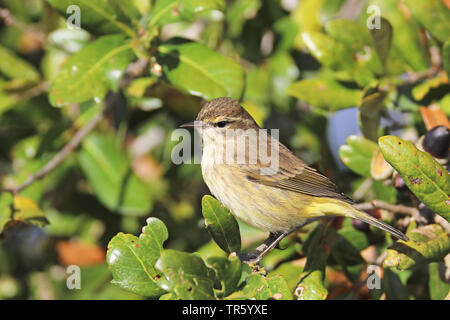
{"x":132,"y":260}
{"x":92,"y":71}
{"x":427,"y":244}
{"x":260,"y":287}
{"x":228,"y":272}
{"x":194,"y":68}
{"x":221,"y":224}
{"x":186,"y":275}
{"x":423,"y":175}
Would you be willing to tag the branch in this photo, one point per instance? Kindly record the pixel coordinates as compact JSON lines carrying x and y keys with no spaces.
{"x":9,"y":19}
{"x":61,"y":155}
{"x":396,"y":208}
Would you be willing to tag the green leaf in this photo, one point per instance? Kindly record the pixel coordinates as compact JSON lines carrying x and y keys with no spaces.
{"x":357,"y":154}
{"x":369,"y":114}
{"x":328,"y":51}
{"x":350,"y":33}
{"x":200,"y":71}
{"x":132,"y":260}
{"x":324,"y":93}
{"x":189,"y":8}
{"x":16,"y":69}
{"x":422,"y":89}
{"x":423,"y":175}
{"x":382,"y":39}
{"x":290,"y":271}
{"x":311,"y":286}
{"x":228,"y":272}
{"x":283,"y":72}
{"x":19,"y":210}
{"x":221,"y":224}
{"x":169,"y":11}
{"x":406,"y":42}
{"x":186,"y":275}
{"x":90,"y":72}
{"x":427,"y":244}
{"x":126,"y":11}
{"x":237,"y":13}
{"x":260,"y":287}
{"x":438,"y":284}
{"x":97,"y":16}
{"x":107,"y":169}
{"x":433,"y":15}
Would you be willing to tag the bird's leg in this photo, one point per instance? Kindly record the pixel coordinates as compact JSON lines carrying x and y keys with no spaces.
{"x":256,"y":255}
{"x":272,"y":241}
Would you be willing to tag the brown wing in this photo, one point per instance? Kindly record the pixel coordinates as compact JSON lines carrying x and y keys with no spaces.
{"x":294,"y":175}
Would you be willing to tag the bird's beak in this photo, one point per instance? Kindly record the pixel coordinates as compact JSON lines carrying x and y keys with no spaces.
{"x":188,"y":125}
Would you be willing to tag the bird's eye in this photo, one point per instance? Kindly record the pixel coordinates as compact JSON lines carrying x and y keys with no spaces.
{"x":221,"y":124}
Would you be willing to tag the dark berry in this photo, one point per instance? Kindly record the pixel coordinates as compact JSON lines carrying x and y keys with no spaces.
{"x":399,"y":183}
{"x":426,"y":212}
{"x":437,"y":141}
{"x":360,"y":225}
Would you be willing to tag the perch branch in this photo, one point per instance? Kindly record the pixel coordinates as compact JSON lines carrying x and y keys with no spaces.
{"x":61,"y":155}
{"x":396,"y":208}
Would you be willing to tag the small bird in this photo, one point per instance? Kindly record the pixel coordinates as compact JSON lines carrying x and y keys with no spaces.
{"x":279,"y":199}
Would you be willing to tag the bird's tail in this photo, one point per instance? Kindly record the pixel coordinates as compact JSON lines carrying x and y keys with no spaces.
{"x":336,"y":207}
{"x":363,"y":216}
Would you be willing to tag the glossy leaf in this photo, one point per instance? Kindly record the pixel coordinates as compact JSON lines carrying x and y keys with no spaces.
{"x":406,"y":42}
{"x":423,"y":175}
{"x":16,"y":68}
{"x":422,"y":89}
{"x":92,"y":71}
{"x":107,"y":169}
{"x":19,"y":210}
{"x":350,"y":33}
{"x":200,"y":71}
{"x":169,"y":11}
{"x":328,"y":51}
{"x":132,"y":260}
{"x":427,"y":244}
{"x":438,"y":285}
{"x":433,"y":15}
{"x":307,"y":17}
{"x":290,"y":271}
{"x":357,"y":154}
{"x":185,"y":275}
{"x":260,"y":287}
{"x":324,"y":93}
{"x":221,"y":224}
{"x":97,"y":16}
{"x":311,"y":285}
{"x":369,"y":114}
{"x":382,"y":39}
{"x":228,"y":272}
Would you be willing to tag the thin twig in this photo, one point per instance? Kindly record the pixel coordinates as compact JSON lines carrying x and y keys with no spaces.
{"x":441,"y":221}
{"x":9,"y":19}
{"x":397,"y":208}
{"x":61,"y":155}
